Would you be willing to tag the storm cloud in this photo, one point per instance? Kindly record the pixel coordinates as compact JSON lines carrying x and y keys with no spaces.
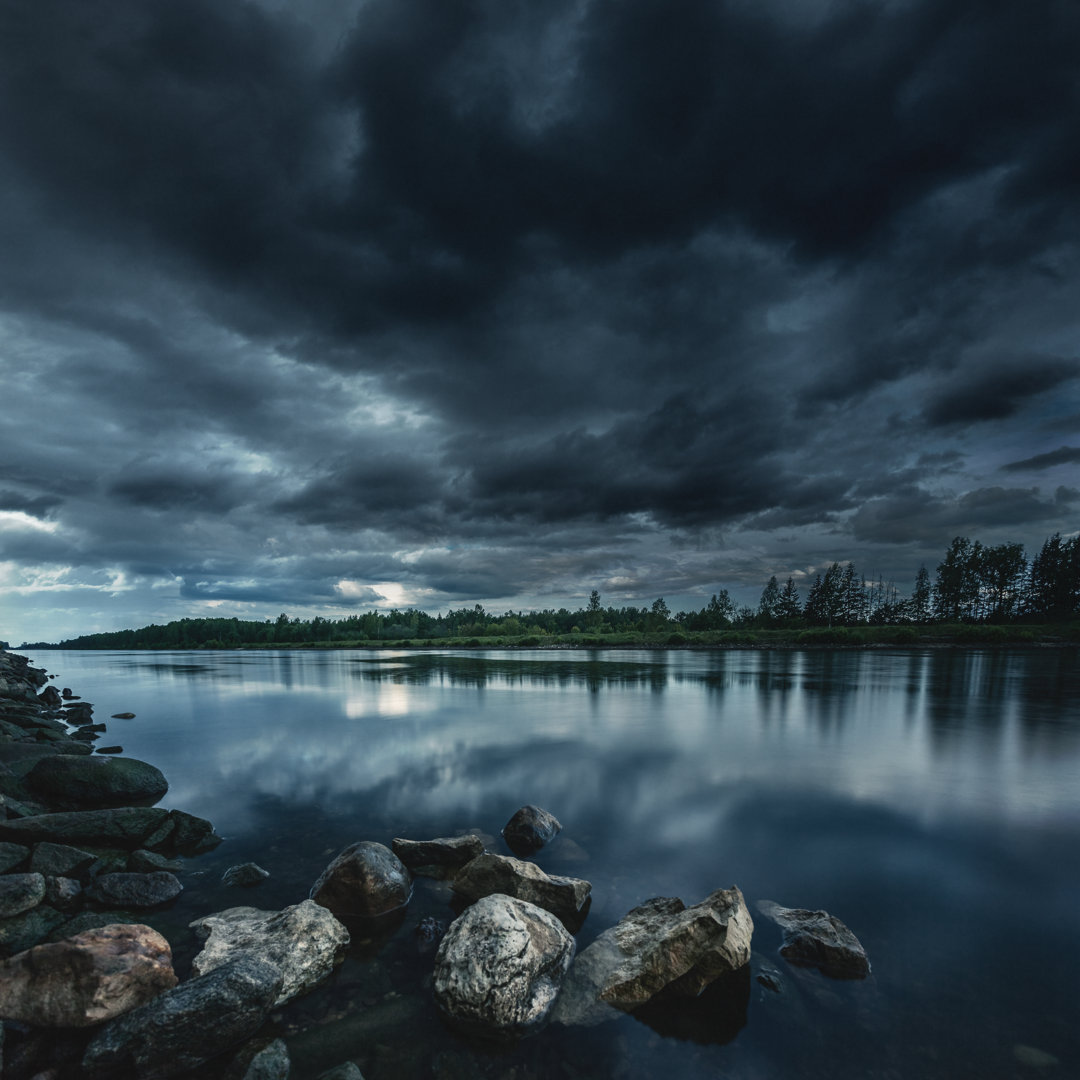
{"x":393,"y":302}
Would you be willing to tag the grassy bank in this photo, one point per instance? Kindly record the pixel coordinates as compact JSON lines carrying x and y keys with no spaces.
{"x":864,"y":637}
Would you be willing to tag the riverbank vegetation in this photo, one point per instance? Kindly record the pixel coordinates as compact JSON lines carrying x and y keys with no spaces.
{"x":979,"y":595}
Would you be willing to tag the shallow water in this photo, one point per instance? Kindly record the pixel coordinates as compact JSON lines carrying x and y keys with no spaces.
{"x":929,"y":799}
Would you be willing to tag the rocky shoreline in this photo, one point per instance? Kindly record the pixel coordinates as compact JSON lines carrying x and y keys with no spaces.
{"x":88,"y":990}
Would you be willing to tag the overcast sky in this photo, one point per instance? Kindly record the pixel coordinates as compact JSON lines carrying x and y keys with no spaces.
{"x":319,"y":307}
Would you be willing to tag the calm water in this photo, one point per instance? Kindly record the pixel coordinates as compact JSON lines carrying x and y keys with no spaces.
{"x":931,"y":800}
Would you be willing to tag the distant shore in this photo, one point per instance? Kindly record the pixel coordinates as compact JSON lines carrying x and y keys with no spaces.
{"x":979,"y":636}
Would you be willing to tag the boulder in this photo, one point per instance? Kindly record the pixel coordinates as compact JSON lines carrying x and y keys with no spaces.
{"x":141,"y":861}
{"x":19,"y":893}
{"x":63,"y":893}
{"x":24,"y":931}
{"x":270,"y":1062}
{"x":11,"y":855}
{"x":564,"y":897}
{"x":127,"y":827}
{"x":50,"y":697}
{"x":348,"y":1071}
{"x":498,"y":970}
{"x":244,"y":875}
{"x":134,"y":890}
{"x":530,"y":829}
{"x":76,"y":783}
{"x":188,"y":1025}
{"x":446,"y":851}
{"x":818,"y":939}
{"x":123,"y":716}
{"x":304,"y":942}
{"x":366,"y":879}
{"x":662,"y":947}
{"x":86,"y":979}
{"x":108,"y":749}
{"x":60,"y":859}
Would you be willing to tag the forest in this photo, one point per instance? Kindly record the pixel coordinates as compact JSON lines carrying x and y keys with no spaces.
{"x":974,"y":585}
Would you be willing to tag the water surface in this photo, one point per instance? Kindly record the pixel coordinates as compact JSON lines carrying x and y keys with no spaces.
{"x":929,"y":799}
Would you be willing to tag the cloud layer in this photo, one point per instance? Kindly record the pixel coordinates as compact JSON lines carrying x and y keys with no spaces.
{"x":407,"y":301}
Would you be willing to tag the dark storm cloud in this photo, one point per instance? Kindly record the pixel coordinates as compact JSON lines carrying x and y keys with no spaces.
{"x":39,"y":506}
{"x":998,"y":393}
{"x":916,"y":515}
{"x":1063,"y":455}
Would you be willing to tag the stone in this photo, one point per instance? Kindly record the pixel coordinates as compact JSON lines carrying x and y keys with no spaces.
{"x":67,"y":694}
{"x":661,"y":947}
{"x":77,"y":783}
{"x":564,"y":897}
{"x":1033,"y":1057}
{"x":348,"y":1071}
{"x":11,"y":855}
{"x":108,"y":749}
{"x":304,"y":942}
{"x":127,"y":827}
{"x":19,"y":893}
{"x":451,"y":851}
{"x":63,"y":893}
{"x":186,"y":1026}
{"x":60,"y":859}
{"x":123,"y":826}
{"x":428,"y":933}
{"x":123,"y":716}
{"x":270,"y":1062}
{"x":499,"y":968}
{"x":244,"y":875}
{"x":818,"y":939}
{"x":86,"y":979}
{"x":50,"y":697}
{"x":530,"y":829}
{"x":90,"y":920}
{"x":366,"y":879}
{"x":142,"y":861}
{"x":126,"y":889}
{"x":23,"y":931}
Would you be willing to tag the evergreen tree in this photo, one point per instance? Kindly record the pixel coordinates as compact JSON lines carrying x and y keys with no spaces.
{"x":769,"y":605}
{"x":920,"y":606}
{"x":956,"y":589}
{"x":789,"y":607}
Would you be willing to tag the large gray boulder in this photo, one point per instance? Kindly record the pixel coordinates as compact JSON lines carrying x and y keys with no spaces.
{"x":445,"y":851}
{"x":366,"y":879}
{"x":564,"y":897}
{"x":303,"y":941}
{"x":188,"y":1025}
{"x":61,"y":859}
{"x":134,"y":890}
{"x":499,"y":968}
{"x":661,"y":947}
{"x":529,"y":829}
{"x":86,"y":979}
{"x":78,"y":783}
{"x":818,"y":939}
{"x":11,"y":855}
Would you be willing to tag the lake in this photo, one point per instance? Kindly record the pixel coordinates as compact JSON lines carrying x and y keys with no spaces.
{"x":929,"y":799}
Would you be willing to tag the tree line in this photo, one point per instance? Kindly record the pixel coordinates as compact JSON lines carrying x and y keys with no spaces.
{"x":974,"y":583}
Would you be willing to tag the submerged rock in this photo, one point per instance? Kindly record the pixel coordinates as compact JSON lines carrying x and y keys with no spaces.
{"x":818,"y":939}
{"x":564,"y":897}
{"x":530,"y":829}
{"x":126,"y":889}
{"x":188,"y":1025}
{"x":86,"y":979}
{"x":244,"y":875}
{"x":304,"y":942}
{"x":661,"y":947}
{"x":450,"y":851}
{"x":366,"y":879}
{"x":499,"y":968}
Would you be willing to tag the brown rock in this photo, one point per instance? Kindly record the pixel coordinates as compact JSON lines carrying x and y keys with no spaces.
{"x":366,"y":879}
{"x":86,"y":979}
